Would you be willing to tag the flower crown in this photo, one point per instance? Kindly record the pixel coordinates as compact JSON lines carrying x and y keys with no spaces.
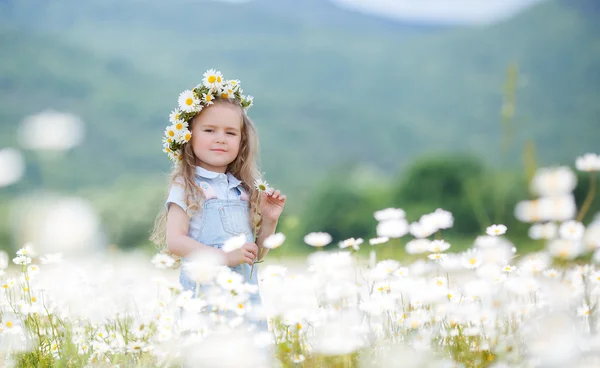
{"x":191,"y":102}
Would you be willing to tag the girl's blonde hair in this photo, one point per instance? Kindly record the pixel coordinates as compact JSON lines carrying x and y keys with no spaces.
{"x":244,"y":167}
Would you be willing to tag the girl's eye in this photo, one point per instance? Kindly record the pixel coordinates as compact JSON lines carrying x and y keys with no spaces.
{"x":208,"y":130}
{"x":231,"y":133}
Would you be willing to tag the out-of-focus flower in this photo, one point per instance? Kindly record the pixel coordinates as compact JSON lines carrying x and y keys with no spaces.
{"x":548,"y":230}
{"x":380,"y":240}
{"x":471,"y":259}
{"x":571,"y":230}
{"x":161,"y":260}
{"x":496,"y":230}
{"x":351,"y":243}
{"x":591,"y":237}
{"x":12,"y":166}
{"x":589,"y":162}
{"x":274,"y":241}
{"x":51,"y":130}
{"x":389,"y":214}
{"x":561,"y":208}
{"x":417,"y":246}
{"x":565,"y":248}
{"x":234,"y":243}
{"x":392,"y":228}
{"x":552,"y":182}
{"x":438,"y":246}
{"x":318,"y":239}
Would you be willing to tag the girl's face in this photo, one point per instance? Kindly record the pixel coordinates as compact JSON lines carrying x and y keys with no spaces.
{"x":216,"y":136}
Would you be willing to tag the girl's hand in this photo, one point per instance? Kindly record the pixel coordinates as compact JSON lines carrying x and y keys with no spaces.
{"x":246,"y":254}
{"x":271,"y":205}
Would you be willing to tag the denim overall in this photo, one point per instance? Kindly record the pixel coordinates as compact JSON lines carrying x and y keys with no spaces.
{"x":221,"y":220}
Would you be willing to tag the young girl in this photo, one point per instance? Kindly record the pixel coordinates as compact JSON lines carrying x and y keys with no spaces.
{"x":212,"y":198}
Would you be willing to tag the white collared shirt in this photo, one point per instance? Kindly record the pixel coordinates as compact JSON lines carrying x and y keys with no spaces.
{"x":224,"y":186}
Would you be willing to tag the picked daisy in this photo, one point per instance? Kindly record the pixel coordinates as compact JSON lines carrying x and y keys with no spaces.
{"x":262,"y":186}
{"x":188,"y":101}
{"x":171,"y":132}
{"x":212,"y":79}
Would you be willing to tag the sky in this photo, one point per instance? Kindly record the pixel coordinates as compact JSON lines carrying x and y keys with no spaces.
{"x":441,"y":11}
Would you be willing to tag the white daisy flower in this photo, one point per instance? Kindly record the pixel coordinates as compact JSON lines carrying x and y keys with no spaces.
{"x":22,"y":260}
{"x":589,"y":162}
{"x":379,"y":240}
{"x":161,"y":260}
{"x":351,"y":242}
{"x":274,"y":241}
{"x":212,"y":79}
{"x":227,"y":92}
{"x":508,"y":268}
{"x":208,"y":98}
{"x":234,"y":84}
{"x":180,"y":126}
{"x":249,"y":100}
{"x":392,"y":228}
{"x":175,"y":116}
{"x":317,"y":239}
{"x":188,"y":101}
{"x":438,"y":246}
{"x":496,"y":230}
{"x":234,"y":243}
{"x":185,"y":136}
{"x":170,"y":132}
{"x":572,"y":230}
{"x":389,"y":214}
{"x":437,"y":256}
{"x":471,"y":259}
{"x":418,"y":246}
{"x":262,"y":186}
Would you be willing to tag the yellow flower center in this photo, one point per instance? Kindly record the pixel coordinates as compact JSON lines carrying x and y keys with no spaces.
{"x":262,"y":187}
{"x":299,"y":326}
{"x":241,"y":306}
{"x":33,"y":299}
{"x":219,"y":79}
{"x":212,"y":79}
{"x":224,"y":95}
{"x":5,"y":286}
{"x":189,"y":101}
{"x":179,"y":126}
{"x":9,"y":324}
{"x":439,"y":283}
{"x":171,"y":133}
{"x":587,"y":312}
{"x":472,"y":261}
{"x":209,"y":98}
{"x":188,"y":136}
{"x":176,"y":116}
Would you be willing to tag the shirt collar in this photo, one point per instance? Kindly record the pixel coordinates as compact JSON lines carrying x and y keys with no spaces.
{"x":232,"y":180}
{"x":205,"y":173}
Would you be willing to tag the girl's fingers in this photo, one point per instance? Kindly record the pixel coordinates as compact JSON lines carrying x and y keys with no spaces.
{"x":276,"y":193}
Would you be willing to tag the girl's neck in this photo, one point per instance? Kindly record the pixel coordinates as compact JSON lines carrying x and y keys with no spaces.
{"x":216,"y":169}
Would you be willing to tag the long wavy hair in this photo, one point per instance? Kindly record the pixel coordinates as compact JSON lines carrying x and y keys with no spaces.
{"x":244,"y":167}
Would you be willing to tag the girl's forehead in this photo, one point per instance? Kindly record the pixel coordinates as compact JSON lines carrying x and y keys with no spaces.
{"x":220,"y":115}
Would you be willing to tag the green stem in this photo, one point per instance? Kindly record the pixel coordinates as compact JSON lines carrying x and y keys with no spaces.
{"x":588,"y":199}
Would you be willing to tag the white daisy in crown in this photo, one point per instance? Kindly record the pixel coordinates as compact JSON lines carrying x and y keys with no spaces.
{"x":175,"y":116}
{"x":212,"y":79}
{"x":208,"y":98}
{"x":191,"y":102}
{"x":187,"y":101}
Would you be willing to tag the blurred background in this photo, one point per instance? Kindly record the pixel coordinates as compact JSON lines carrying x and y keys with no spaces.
{"x":360,"y":105}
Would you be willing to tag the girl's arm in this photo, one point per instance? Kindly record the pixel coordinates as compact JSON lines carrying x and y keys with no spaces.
{"x":178,"y":241}
{"x":180,"y":244}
